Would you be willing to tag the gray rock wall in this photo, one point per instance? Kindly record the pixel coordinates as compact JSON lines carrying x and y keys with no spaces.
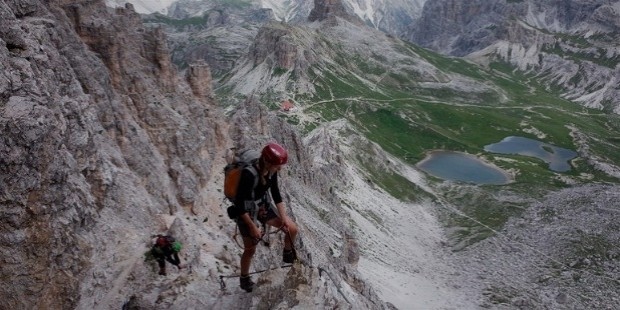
{"x":103,"y":144}
{"x":96,"y":127}
{"x":570,"y":44}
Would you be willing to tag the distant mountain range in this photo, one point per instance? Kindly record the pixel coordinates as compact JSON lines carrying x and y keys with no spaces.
{"x":569,"y":45}
{"x":390,"y":16}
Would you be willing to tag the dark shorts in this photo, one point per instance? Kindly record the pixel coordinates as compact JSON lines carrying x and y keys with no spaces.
{"x":264,"y":215}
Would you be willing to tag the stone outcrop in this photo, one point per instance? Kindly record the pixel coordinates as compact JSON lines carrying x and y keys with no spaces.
{"x":216,"y":33}
{"x":577,"y":229}
{"x":460,"y":27}
{"x":97,"y":131}
{"x":103,"y":144}
{"x":199,"y":78}
{"x":277,"y":61}
{"x":275,"y":41}
{"x":535,"y":36}
{"x":328,"y":10}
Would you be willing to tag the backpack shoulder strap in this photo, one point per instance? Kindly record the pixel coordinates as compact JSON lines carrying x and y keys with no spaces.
{"x":250,"y":167}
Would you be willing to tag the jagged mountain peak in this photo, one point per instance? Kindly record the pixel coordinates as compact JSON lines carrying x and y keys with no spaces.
{"x":389,"y":16}
{"x":288,"y":61}
{"x":329,"y":9}
{"x":537,"y":37}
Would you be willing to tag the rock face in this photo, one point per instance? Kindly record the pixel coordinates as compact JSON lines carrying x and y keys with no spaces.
{"x":220,"y":33}
{"x":274,"y":41}
{"x":476,"y":24}
{"x":390,"y":16}
{"x":577,"y":229}
{"x":199,"y":78}
{"x":570,"y":44}
{"x":104,"y":144}
{"x":216,"y":33}
{"x":94,"y":124}
{"x":330,"y":9}
{"x":278,"y":59}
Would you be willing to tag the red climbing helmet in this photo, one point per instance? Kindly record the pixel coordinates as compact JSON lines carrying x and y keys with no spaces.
{"x":274,"y":154}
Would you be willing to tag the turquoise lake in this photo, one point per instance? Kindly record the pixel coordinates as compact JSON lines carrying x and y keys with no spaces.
{"x":558,"y":158}
{"x":462,"y":167}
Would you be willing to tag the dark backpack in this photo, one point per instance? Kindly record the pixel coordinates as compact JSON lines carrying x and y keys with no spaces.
{"x":232,"y":175}
{"x":164,"y":241}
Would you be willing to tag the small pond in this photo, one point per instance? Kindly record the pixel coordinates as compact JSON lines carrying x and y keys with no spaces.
{"x":462,"y":167}
{"x":558,"y":158}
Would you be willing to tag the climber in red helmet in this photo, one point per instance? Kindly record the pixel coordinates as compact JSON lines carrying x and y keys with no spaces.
{"x":252,"y":203}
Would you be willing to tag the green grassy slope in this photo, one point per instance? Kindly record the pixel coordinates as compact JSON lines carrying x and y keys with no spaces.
{"x":409,"y":112}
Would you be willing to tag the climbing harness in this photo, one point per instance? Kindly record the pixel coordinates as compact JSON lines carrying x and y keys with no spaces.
{"x":262,"y":238}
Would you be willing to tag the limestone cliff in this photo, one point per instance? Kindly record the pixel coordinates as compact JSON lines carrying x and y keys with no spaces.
{"x":95,"y":125}
{"x":104,"y":144}
{"x":329,"y":10}
{"x":570,"y":44}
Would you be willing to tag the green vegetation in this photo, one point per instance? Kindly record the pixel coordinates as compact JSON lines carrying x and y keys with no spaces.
{"x":409,"y":113}
{"x":447,"y":64}
{"x":279,"y":71}
{"x":409,"y":122}
{"x":367,"y":67}
{"x":390,"y":181}
{"x":294,"y":120}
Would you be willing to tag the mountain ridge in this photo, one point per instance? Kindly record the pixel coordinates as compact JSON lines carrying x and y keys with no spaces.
{"x":537,"y":37}
{"x":501,"y":31}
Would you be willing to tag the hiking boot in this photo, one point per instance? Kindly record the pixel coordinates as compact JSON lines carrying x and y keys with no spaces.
{"x":246,"y":283}
{"x":289,"y":256}
{"x":162,"y":271}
